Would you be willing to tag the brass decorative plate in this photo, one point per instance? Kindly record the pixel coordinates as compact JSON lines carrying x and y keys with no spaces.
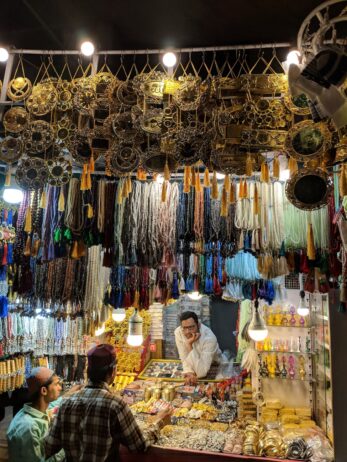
{"x":32,"y":173}
{"x":307,"y":140}
{"x":15,"y":119}
{"x":11,"y":149}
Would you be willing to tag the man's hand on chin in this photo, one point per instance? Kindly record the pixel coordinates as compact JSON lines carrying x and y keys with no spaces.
{"x":193,"y":339}
{"x":190,"y":379}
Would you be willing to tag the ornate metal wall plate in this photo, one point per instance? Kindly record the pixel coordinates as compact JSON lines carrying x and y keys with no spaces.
{"x":43,"y":99}
{"x":307,"y":140}
{"x":264,"y":139}
{"x":309,"y":189}
{"x":297,"y":104}
{"x":230,"y":159}
{"x":81,"y":149}
{"x":32,"y":173}
{"x":11,"y":149}
{"x":85,"y":100}
{"x":153,"y":86}
{"x":191,"y":94}
{"x":154,"y":160}
{"x":38,"y":137}
{"x":151,"y":121}
{"x":126,"y":94}
{"x":60,"y":171}
{"x":15,"y":119}
{"x":264,"y":84}
{"x":19,"y":89}
{"x":191,"y":146}
{"x":123,"y":158}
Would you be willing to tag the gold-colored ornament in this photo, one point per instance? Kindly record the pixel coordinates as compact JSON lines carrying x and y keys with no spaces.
{"x":264,"y":84}
{"x":297,"y":104}
{"x":32,"y":173}
{"x":19,"y":89}
{"x":15,"y":119}
{"x":309,"y":189}
{"x":43,"y":99}
{"x":264,"y":139}
{"x":11,"y":149}
{"x":60,"y":171}
{"x":307,"y":140}
{"x":122,"y":158}
{"x":38,"y":137}
{"x":192,"y":93}
{"x":126,"y":94}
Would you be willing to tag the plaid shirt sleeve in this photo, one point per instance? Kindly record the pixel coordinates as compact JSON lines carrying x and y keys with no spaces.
{"x":131,"y":435}
{"x":53,"y":439}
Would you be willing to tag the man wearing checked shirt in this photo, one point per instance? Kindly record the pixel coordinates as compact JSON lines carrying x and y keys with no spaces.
{"x":92,"y":424}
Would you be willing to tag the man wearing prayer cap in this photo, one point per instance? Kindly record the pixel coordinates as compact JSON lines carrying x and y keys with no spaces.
{"x":29,"y":426}
{"x":91,"y":424}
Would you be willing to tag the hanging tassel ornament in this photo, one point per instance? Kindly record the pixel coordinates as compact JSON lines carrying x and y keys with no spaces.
{"x":43,"y":200}
{"x":166,"y":171}
{"x":311,"y":251}
{"x":232,"y":198}
{"x":292,"y":166}
{"x":264,"y":172}
{"x":245,"y":189}
{"x":27,"y":248}
{"x":256,"y":200}
{"x":61,"y":201}
{"x":198,"y":185}
{"x":8,"y":177}
{"x":343,"y":181}
{"x":119,"y":193}
{"x":83,"y":186}
{"x":187,"y":179}
{"x":164,"y":192}
{"x":227,"y":182}
{"x":74,"y":252}
{"x":129,"y":185}
{"x":249,"y":165}
{"x":193,"y":177}
{"x":276,"y":168}
{"x":28,"y":223}
{"x":214,"y":194}
{"x":141,"y":174}
{"x":207,"y":182}
{"x":241,"y":194}
{"x":90,"y":211}
{"x":91,"y":164}
{"x":224,"y":204}
{"x":125,"y":191}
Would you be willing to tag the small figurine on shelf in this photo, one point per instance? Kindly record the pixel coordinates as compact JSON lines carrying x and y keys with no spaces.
{"x":291,"y":369}
{"x":271,"y":366}
{"x":292,"y":312}
{"x":302,"y":371}
{"x":277,"y":368}
{"x":284,"y":370}
{"x":263,"y":369}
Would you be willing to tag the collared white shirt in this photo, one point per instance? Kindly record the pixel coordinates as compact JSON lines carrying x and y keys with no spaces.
{"x":205,"y":351}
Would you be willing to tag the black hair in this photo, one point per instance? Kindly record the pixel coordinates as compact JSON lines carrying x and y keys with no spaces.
{"x":189,"y":314}
{"x":36,"y":395}
{"x":100,"y":374}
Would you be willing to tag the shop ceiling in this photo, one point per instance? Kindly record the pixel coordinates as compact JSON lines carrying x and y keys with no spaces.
{"x":134,"y":24}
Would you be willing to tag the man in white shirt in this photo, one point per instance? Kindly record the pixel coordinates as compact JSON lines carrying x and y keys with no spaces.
{"x":197,"y":347}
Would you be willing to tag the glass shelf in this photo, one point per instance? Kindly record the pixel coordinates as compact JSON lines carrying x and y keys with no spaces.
{"x":286,"y":352}
{"x":288,"y":326}
{"x":287,"y":378}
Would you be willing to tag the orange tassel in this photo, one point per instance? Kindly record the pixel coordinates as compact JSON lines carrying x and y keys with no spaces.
{"x":311,"y":251}
{"x":125,"y":192}
{"x":91,"y":164}
{"x":129,"y":185}
{"x":8,"y":178}
{"x":232,"y":198}
{"x":43,"y":200}
{"x":88,"y":181}
{"x":264,"y":173}
{"x":207,"y":182}
{"x":198,"y":186}
{"x":227,"y":182}
{"x":90,"y":212}
{"x":249,"y":165}
{"x":256,"y":200}
{"x":27,"y":248}
{"x":119,"y":192}
{"x":81,"y":249}
{"x":164,"y":192}
{"x":187,"y":179}
{"x":224,"y":204}
{"x":241,"y":193}
{"x":83,"y":186}
{"x":61,"y":201}
{"x":141,"y":174}
{"x":193,"y":177}
{"x":136,"y":303}
{"x":276,"y":168}
{"x":166,"y":171}
{"x":245,"y":189}
{"x":214,"y":194}
{"x":74,"y":252}
{"x":292,"y":166}
{"x":35,"y":248}
{"x":28,"y":223}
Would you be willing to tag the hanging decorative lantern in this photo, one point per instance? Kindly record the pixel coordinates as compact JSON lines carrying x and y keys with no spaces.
{"x":257,"y":329}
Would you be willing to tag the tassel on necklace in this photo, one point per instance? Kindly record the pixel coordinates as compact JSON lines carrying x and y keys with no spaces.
{"x":28,"y":222}
{"x":276,"y":168}
{"x":232,"y":198}
{"x":249,"y":165}
{"x":166,"y":171}
{"x":292,"y":166}
{"x":187,"y":179}
{"x":207,"y":182}
{"x":61,"y":200}
{"x":214,"y":194}
{"x":224,"y":204}
{"x":43,"y":200}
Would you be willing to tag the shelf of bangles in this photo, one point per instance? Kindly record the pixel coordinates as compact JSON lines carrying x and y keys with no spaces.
{"x":213,"y":418}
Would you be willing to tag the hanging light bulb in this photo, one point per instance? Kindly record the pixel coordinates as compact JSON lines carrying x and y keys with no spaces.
{"x":87,"y":48}
{"x":220,"y":176}
{"x":12,"y":194}
{"x":293,"y":57}
{"x":3,"y":55}
{"x":303,"y":309}
{"x":118,"y":314}
{"x":160,"y":179}
{"x":169,"y":59}
{"x":194,"y":295}
{"x":257,"y":329}
{"x":100,"y":330}
{"x":135,"y":336}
